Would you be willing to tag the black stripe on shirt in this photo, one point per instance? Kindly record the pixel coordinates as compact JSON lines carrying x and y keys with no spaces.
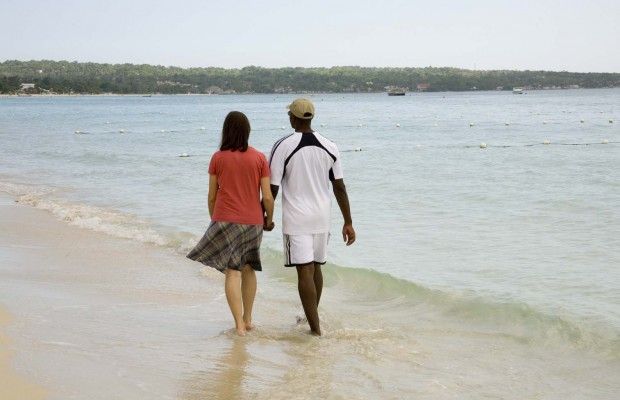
{"x":308,"y":139}
{"x":275,"y":146}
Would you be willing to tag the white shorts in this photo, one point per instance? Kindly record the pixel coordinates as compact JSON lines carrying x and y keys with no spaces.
{"x":305,"y":249}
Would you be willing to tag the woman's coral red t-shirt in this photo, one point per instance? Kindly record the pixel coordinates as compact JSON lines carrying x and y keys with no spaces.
{"x":238,"y":177}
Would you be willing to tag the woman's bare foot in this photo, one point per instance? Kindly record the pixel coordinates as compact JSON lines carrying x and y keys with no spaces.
{"x":240,"y":328}
{"x":249,"y":325}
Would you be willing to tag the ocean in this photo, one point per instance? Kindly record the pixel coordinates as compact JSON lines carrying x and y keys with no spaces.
{"x":487,"y":260}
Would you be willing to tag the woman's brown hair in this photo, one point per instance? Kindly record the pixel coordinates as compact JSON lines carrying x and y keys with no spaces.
{"x":236,"y":132}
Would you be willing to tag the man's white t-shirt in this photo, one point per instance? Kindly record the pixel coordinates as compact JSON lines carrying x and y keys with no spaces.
{"x":303,"y":164}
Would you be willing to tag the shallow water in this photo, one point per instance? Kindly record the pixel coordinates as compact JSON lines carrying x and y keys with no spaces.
{"x":467,"y":259}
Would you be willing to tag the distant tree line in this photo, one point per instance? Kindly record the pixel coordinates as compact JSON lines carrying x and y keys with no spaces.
{"x":64,"y":77}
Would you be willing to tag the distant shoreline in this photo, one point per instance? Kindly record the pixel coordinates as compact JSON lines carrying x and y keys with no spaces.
{"x":46,"y":76}
{"x":111,"y":95}
{"x":278,"y":94}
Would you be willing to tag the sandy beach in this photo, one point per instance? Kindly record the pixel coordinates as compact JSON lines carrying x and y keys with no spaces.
{"x":81,"y":314}
{"x":90,"y":316}
{"x":12,"y":384}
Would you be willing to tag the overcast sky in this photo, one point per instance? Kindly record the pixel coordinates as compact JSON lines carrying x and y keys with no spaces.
{"x":570,"y":35}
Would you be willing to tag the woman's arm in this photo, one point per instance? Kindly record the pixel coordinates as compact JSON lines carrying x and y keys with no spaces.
{"x":268,"y":202}
{"x":213,"y":188}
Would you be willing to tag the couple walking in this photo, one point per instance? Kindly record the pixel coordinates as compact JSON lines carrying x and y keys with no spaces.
{"x":302,"y":164}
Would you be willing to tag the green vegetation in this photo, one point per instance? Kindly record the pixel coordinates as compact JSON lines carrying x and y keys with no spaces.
{"x":63,"y":77}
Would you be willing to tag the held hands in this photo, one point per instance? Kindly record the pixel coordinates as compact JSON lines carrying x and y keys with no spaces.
{"x":348,"y":234}
{"x":268,"y":225}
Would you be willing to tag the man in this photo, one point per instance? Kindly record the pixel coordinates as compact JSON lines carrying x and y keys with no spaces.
{"x":303,"y":164}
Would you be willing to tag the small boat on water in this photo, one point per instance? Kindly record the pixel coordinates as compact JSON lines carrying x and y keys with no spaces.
{"x":517,"y":90}
{"x":395,"y":91}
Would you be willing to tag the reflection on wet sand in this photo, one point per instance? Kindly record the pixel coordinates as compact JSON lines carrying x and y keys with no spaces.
{"x":224,"y":379}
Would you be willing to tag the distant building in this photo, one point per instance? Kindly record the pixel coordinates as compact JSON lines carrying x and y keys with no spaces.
{"x":282,"y":89}
{"x":423,"y":87}
{"x":26,"y":87}
{"x":214,"y":90}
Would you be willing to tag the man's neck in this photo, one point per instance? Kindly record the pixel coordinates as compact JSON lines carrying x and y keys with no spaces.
{"x":303,"y":127}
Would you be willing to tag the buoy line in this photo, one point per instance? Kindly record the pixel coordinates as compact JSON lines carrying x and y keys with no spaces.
{"x":185,"y":155}
{"x":482,"y":145}
{"x":545,"y":143}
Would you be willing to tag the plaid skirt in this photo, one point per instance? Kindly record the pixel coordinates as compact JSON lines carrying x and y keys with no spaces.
{"x":228,"y":245}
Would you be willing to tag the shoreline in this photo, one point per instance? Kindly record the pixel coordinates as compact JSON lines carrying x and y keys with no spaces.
{"x":45,"y":267}
{"x":100,"y":317}
{"x":122,"y":95}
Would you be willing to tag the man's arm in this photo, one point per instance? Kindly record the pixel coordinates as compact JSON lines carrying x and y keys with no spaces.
{"x":273,"y":189}
{"x":340,"y":191}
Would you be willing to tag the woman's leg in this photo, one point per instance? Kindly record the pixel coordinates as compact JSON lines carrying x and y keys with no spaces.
{"x":233,"y":295}
{"x":248,"y":293}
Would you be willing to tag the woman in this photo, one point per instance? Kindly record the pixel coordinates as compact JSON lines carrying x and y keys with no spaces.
{"x":237,"y":175}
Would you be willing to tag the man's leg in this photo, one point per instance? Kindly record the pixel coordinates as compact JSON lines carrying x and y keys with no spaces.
{"x":248,"y":293}
{"x":318,"y":282}
{"x":308,"y":295}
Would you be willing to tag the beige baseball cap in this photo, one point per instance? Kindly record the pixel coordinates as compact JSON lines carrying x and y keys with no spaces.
{"x":302,"y":108}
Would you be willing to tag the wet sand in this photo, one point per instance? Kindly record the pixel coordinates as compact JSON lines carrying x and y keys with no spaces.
{"x":101,"y":317}
{"x":12,"y":384}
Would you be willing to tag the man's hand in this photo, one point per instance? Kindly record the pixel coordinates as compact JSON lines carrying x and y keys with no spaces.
{"x":348,"y":234}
